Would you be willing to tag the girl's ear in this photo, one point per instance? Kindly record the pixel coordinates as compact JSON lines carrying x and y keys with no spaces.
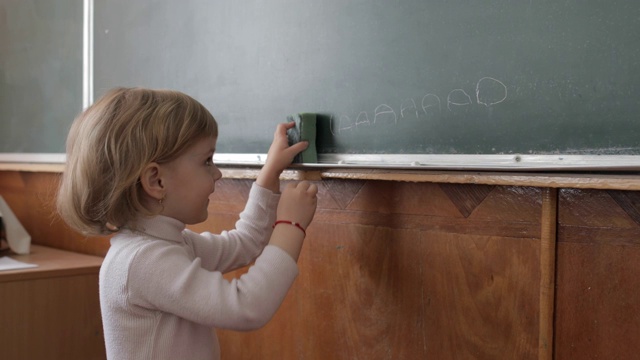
{"x":151,"y":181}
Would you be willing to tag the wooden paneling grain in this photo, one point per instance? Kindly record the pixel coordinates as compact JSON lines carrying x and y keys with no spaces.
{"x":489,"y":309}
{"x":51,"y":311}
{"x":466,"y":197}
{"x":383,"y":281}
{"x":548,"y":245}
{"x":404,"y":270}
{"x":629,"y":201}
{"x":511,"y":204}
{"x":56,"y":318}
{"x":592,"y":209}
{"x":598,"y":301}
{"x":403,"y":198}
{"x":598,"y":287}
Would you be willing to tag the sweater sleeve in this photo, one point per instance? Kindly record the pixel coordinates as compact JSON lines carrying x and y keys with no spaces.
{"x":163,"y":278}
{"x":240,"y":246}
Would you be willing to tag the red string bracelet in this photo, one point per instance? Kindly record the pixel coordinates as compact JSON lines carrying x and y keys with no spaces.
{"x":290,"y":223}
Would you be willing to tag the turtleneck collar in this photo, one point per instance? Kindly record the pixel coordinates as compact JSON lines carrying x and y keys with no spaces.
{"x":161,"y":226}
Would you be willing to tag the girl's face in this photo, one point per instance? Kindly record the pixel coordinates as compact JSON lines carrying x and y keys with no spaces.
{"x":188,"y":182}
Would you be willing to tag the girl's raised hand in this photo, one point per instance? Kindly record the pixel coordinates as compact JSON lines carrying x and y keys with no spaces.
{"x":280,"y":156}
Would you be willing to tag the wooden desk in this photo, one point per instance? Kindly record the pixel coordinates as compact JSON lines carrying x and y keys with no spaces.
{"x":51,"y":311}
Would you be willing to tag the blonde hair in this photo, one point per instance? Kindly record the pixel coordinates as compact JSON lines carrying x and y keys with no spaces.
{"x":111,"y":142}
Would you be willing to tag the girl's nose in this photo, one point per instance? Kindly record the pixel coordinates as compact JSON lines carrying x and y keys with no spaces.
{"x":217,"y":174}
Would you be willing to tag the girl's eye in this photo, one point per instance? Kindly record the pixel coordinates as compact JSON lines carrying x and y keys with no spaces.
{"x":209,"y":161}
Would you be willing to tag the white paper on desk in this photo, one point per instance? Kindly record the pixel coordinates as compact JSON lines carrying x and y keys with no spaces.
{"x":7,"y":263}
{"x":17,"y":237}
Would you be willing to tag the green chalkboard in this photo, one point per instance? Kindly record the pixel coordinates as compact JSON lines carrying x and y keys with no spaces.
{"x":409,"y":76}
{"x":385,"y":77}
{"x":40,"y":73}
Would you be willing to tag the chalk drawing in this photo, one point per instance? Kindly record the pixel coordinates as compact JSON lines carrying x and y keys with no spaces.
{"x":431,"y":101}
{"x":494,"y":91}
{"x":363,"y":119}
{"x":489,"y":91}
{"x":458,"y":97}
{"x":411,"y":104}
{"x":344,"y":123}
{"x":382,"y":110}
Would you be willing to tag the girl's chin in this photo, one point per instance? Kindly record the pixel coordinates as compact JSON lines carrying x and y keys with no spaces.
{"x":202,"y":217}
{"x":205,"y":216}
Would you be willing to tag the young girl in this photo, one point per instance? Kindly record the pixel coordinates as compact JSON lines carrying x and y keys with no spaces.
{"x":139,"y":166}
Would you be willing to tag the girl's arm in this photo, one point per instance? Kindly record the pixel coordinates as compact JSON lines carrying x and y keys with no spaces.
{"x":238,"y":247}
{"x":298,"y":202}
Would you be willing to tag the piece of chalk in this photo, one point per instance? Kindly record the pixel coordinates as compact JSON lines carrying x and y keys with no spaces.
{"x":304,"y":130}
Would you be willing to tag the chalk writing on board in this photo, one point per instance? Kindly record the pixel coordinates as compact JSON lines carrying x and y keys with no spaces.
{"x":488,"y":92}
{"x":458,"y":97}
{"x":385,"y":113}
{"x":408,"y":105}
{"x":431,"y":104}
{"x":363,"y":118}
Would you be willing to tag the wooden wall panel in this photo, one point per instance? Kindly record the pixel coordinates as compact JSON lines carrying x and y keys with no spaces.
{"x":379,"y":280}
{"x":423,"y":270}
{"x":598,"y":277}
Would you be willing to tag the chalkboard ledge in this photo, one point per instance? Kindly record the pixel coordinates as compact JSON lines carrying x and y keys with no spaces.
{"x":602,"y":181}
{"x":544,"y":180}
{"x":483,"y":162}
{"x":614,"y":172}
{"x":34,"y":162}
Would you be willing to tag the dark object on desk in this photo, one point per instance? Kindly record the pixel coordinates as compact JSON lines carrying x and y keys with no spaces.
{"x":4,"y":244}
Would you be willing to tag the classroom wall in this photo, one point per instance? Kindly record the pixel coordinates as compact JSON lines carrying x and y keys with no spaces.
{"x":404,"y":270}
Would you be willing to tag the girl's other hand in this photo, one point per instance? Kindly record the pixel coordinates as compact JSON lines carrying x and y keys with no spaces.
{"x":298,"y":203}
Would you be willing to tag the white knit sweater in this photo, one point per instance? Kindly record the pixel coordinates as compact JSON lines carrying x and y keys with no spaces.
{"x":162,"y":290}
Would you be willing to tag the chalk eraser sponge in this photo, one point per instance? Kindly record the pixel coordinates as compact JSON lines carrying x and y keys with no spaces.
{"x":305,"y":130}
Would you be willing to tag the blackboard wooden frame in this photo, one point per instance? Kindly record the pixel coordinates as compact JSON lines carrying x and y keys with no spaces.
{"x":507,"y":162}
